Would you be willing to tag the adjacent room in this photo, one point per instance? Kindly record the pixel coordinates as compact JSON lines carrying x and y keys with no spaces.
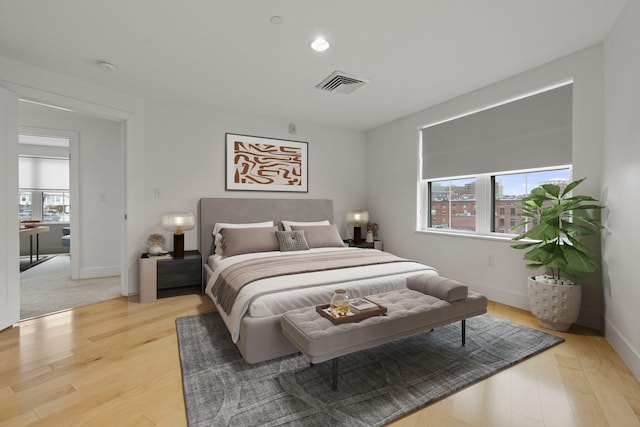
{"x":351,"y":213}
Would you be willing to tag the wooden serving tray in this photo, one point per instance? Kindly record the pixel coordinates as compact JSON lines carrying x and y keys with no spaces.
{"x":351,"y":317}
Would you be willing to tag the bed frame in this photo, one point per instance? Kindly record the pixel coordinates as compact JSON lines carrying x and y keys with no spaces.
{"x":260,"y":338}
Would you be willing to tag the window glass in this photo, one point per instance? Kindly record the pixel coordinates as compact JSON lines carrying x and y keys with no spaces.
{"x":46,"y":206}
{"x":455,"y":198}
{"x":55,"y":206}
{"x":25,"y":207}
{"x":509,"y":189}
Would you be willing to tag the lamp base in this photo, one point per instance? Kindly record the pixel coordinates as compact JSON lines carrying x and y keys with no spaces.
{"x":178,"y":245}
{"x":357,"y":235}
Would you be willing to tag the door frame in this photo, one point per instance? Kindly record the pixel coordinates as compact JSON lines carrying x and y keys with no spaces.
{"x":129,"y":112}
{"x":9,"y":235}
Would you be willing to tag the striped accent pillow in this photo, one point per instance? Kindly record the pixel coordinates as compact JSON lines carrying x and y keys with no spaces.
{"x":292,"y":240}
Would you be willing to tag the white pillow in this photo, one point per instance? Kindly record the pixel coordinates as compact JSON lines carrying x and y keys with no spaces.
{"x":287,"y":224}
{"x":217,"y":237}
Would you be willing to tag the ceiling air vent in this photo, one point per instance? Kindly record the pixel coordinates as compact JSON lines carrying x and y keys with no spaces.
{"x":341,"y":83}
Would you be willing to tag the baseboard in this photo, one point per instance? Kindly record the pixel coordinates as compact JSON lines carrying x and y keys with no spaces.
{"x":587,"y":318}
{"x":623,"y":347}
{"x":512,"y":299}
{"x":95,"y":272}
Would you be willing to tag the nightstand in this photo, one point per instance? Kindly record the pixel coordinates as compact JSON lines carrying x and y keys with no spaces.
{"x":377,"y":244}
{"x":161,"y":277}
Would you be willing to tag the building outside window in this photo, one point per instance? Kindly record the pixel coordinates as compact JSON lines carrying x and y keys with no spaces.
{"x":515,"y":186}
{"x":453,"y":196}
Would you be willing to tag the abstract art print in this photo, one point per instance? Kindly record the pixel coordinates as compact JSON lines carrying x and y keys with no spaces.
{"x":265,"y":164}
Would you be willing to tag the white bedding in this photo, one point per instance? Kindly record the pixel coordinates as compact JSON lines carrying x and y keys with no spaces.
{"x":265,"y":298}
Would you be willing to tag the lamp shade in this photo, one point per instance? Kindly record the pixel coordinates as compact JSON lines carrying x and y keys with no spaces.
{"x":358,"y":216}
{"x":178,"y":221}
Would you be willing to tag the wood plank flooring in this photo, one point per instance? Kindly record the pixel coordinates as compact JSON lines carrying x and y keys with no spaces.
{"x":115,"y":363}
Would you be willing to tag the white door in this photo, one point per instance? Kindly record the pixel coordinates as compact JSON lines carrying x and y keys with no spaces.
{"x":9,"y":220}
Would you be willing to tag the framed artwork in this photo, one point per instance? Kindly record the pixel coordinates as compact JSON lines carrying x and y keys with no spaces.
{"x":265,"y":164}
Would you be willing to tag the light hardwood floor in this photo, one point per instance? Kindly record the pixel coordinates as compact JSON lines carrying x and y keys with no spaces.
{"x":115,"y":363}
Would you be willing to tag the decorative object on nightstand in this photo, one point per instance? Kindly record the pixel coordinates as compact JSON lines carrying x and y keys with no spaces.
{"x":155,"y":242}
{"x":357,"y":217}
{"x":372,"y":229}
{"x":178,"y":222}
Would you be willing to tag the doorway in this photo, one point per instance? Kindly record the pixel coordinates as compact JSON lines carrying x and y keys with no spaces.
{"x":83,"y":236}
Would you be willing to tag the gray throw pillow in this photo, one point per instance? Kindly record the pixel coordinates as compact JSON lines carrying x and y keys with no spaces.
{"x":292,"y":240}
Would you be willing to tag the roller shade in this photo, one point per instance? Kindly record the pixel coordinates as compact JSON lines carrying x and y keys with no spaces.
{"x":528,"y":133}
{"x":42,"y":173}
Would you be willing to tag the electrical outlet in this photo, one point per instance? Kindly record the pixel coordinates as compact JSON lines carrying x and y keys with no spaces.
{"x":156,"y":193}
{"x":491,"y":261}
{"x":103,"y":197}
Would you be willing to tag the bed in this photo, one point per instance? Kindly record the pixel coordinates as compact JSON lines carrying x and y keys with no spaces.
{"x":272,"y":283}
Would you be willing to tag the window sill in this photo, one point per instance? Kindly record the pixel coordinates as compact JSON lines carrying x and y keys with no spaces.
{"x":495,"y":237}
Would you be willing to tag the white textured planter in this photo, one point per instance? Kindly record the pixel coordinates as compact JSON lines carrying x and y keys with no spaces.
{"x":556,"y":306}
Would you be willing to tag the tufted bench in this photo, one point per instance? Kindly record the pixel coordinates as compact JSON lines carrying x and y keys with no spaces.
{"x":428,"y":302}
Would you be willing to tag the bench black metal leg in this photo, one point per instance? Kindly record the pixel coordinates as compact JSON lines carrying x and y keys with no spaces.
{"x":334,"y":375}
{"x":464,"y":332}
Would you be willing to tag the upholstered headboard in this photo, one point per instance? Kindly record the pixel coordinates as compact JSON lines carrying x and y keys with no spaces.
{"x":236,"y":210}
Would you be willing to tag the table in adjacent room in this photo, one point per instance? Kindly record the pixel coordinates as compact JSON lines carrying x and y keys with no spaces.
{"x":31,"y":231}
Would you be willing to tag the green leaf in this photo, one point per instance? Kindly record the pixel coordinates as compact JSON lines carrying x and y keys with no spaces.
{"x":539,"y":193}
{"x":573,"y":229}
{"x":590,"y":221}
{"x":524,"y":245}
{"x":571,"y":186}
{"x":552,"y":189}
{"x":543,"y":231}
{"x":578,"y":263}
{"x":576,"y":244}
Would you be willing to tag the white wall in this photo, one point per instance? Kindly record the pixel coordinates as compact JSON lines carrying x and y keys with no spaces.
{"x":185,"y":160}
{"x":100,"y":175}
{"x":393,"y":173}
{"x":621,"y":246}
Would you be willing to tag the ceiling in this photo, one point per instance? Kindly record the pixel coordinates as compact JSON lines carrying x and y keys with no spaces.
{"x":226,"y":55}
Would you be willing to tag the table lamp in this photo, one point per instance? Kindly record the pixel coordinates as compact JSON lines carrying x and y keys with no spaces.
{"x":178,"y":222}
{"x":357,"y":217}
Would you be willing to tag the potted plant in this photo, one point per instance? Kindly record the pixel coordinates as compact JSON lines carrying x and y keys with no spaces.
{"x":556,"y":220}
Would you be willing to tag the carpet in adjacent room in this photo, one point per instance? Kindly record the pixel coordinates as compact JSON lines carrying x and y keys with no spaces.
{"x":376,"y":386}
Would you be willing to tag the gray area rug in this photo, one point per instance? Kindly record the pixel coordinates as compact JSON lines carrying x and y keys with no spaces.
{"x":376,"y":386}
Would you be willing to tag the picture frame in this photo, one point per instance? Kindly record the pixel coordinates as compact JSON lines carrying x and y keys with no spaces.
{"x":255,"y":163}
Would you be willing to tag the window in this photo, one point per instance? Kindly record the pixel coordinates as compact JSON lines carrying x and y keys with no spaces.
{"x":55,"y":206}
{"x":25,"y":207}
{"x":43,"y":166}
{"x":509,"y":188}
{"x":448,"y":198}
{"x":453,"y":195}
{"x":47,"y":206}
{"x":528,"y":137}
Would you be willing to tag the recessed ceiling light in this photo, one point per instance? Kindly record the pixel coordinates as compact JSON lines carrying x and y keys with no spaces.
{"x":320,"y":44}
{"x":277,"y":20}
{"x":107,"y":66}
